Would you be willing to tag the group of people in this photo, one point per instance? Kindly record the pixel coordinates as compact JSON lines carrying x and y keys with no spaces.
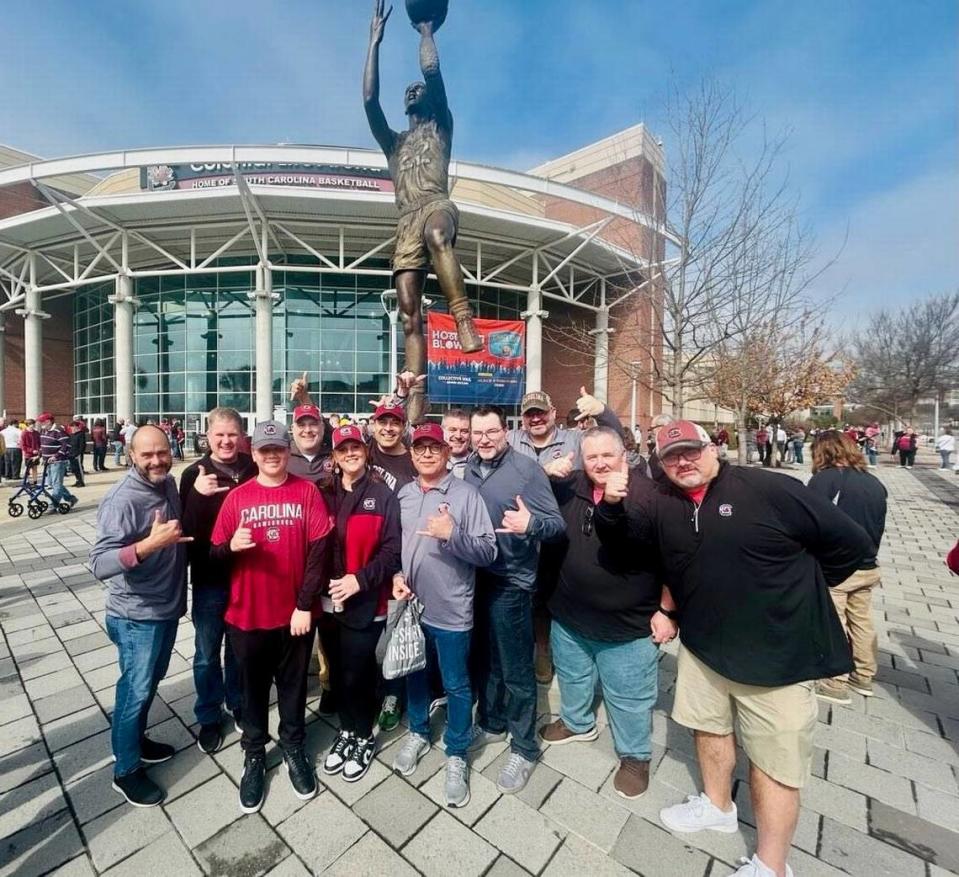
{"x":527,"y":550}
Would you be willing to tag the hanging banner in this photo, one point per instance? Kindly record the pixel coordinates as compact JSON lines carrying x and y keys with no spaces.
{"x":495,"y":375}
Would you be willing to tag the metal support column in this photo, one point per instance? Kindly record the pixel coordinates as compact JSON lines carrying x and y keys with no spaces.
{"x":33,"y":317}
{"x":3,"y":371}
{"x":534,"y":315}
{"x":263,"y":298}
{"x":601,"y":356}
{"x":123,"y":303}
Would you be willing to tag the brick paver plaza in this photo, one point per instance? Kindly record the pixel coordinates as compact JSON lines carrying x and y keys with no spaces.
{"x":883,"y":800}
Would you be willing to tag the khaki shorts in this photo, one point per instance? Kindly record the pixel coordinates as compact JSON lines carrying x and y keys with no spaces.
{"x":411,"y":252}
{"x":776,"y":725}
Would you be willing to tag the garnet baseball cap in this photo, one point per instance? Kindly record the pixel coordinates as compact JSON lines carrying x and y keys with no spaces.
{"x":306,"y":411}
{"x":390,"y":411}
{"x":271,"y":434}
{"x":45,"y":417}
{"x":347,"y":434}
{"x":680,"y":434}
{"x":429,"y":432}
{"x":537,"y":401}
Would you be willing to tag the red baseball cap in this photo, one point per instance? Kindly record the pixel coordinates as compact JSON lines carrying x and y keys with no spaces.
{"x":306,"y":411}
{"x":43,"y":418}
{"x":396,"y":411}
{"x":680,"y":434}
{"x":431,"y":431}
{"x":347,"y":434}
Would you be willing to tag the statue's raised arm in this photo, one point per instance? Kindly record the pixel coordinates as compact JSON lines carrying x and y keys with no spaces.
{"x":384,"y":135}
{"x":430,"y":65}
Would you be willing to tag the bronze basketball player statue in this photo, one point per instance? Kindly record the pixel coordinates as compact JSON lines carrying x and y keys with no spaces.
{"x":419,"y":161}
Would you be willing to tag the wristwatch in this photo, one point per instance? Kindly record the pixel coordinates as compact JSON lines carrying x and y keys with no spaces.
{"x":671,"y":614}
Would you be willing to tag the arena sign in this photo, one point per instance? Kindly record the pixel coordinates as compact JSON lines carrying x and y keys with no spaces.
{"x":167,"y":177}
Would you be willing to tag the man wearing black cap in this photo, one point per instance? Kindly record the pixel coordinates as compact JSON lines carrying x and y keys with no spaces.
{"x":748,"y":556}
{"x":273,"y":531}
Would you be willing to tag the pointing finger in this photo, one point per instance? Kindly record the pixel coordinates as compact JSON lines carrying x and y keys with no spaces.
{"x":304,"y":378}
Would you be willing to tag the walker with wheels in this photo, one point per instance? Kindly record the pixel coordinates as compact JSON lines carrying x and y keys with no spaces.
{"x":35,"y":493}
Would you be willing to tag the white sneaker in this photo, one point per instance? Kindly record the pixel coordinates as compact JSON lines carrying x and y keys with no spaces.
{"x":755,"y":867}
{"x":696,"y":813}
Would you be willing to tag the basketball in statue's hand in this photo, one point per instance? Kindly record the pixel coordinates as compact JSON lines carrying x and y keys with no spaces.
{"x":428,"y":10}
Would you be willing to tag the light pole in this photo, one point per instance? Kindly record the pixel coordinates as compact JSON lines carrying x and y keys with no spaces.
{"x":632,"y":403}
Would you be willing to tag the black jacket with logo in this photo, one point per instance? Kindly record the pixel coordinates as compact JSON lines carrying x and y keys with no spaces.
{"x":199,"y":515}
{"x":368,"y":541}
{"x":603,"y":592}
{"x":749,"y":569}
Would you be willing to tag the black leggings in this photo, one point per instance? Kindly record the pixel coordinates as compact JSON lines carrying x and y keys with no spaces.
{"x":907,"y":458}
{"x":353,"y":672}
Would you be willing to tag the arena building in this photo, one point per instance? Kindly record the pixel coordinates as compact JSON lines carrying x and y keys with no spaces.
{"x":158,"y":283}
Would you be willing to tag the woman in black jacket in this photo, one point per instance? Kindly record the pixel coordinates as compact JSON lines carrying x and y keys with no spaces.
{"x":366,"y":555}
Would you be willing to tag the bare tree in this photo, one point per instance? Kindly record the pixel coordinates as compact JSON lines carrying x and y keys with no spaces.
{"x":908,"y":355}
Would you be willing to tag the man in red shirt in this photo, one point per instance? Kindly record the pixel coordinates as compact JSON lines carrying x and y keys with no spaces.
{"x":273,"y":530}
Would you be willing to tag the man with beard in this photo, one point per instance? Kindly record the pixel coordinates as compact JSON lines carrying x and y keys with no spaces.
{"x":140,"y":555}
{"x":748,"y":556}
{"x":203,"y":487}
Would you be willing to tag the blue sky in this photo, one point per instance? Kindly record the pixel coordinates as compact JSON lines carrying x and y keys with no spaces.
{"x":867,"y":89}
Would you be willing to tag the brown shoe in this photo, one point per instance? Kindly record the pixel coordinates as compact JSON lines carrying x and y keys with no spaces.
{"x":557,"y":734}
{"x":632,"y":778}
{"x":470,"y":339}
{"x":835,"y":692}
{"x":860,"y":685}
{"x":544,"y":666}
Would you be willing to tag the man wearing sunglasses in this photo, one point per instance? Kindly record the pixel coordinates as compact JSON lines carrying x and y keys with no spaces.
{"x":748,"y":556}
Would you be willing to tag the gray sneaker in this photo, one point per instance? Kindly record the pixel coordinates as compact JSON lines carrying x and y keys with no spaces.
{"x":409,"y":756}
{"x":481,"y":738}
{"x":515,"y":774}
{"x":457,"y":782}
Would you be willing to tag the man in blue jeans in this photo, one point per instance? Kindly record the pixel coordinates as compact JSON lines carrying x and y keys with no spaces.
{"x":203,"y":487}
{"x":139,"y":554}
{"x":610,"y":612}
{"x":520,"y":503}
{"x":447,"y":534}
{"x":55,"y":452}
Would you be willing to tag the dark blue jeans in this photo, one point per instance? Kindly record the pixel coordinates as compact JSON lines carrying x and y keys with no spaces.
{"x":507,"y":683}
{"x":450,"y":648}
{"x":144,"y":649}
{"x":216,"y":681}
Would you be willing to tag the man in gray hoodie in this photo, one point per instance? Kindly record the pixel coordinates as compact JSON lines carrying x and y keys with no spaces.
{"x":140,"y":556}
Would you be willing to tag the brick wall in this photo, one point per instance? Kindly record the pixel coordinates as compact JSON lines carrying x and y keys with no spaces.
{"x":57,"y":361}
{"x":635,"y":182}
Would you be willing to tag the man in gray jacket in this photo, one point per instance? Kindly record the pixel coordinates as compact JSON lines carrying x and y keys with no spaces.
{"x":521,"y":503}
{"x":447,"y":534}
{"x":140,"y":556}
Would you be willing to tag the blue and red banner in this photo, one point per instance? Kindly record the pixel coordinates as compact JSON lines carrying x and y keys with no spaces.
{"x":495,"y":375}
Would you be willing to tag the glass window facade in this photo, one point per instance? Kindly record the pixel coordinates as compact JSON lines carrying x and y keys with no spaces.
{"x":194,"y":345}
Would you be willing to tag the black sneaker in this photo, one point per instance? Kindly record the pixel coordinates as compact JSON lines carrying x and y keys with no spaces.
{"x":152,"y":752}
{"x":210,"y":738}
{"x":328,"y":704}
{"x":360,"y":759}
{"x":339,"y":753}
{"x":302,"y":774}
{"x":138,"y":789}
{"x":253,"y":782}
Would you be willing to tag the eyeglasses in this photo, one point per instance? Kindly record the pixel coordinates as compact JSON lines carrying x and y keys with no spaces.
{"x":490,"y":434}
{"x":690,"y":455}
{"x":588,"y":522}
{"x":425,"y":450}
